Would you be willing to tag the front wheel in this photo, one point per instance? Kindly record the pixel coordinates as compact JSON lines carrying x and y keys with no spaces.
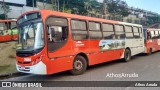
{"x":79,"y":65}
{"x":127,"y":55}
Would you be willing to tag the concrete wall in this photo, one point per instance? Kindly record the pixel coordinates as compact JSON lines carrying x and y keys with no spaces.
{"x":17,"y":11}
{"x":16,"y":1}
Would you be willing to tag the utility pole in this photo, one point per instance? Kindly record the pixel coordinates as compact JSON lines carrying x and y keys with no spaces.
{"x":4,"y":9}
{"x":44,"y":4}
{"x":33,"y":4}
{"x":63,"y":5}
{"x":58,"y":5}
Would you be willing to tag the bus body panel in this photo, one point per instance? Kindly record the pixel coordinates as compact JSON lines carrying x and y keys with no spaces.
{"x":6,"y":31}
{"x":151,"y":42}
{"x":5,"y":38}
{"x":136,"y":45}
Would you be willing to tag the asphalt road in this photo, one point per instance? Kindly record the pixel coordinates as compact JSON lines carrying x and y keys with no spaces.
{"x":146,"y":67}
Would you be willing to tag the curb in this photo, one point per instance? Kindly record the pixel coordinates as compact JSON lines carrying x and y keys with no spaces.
{"x":8,"y":75}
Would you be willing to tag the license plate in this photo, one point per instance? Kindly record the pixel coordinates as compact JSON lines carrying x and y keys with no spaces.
{"x":22,"y":68}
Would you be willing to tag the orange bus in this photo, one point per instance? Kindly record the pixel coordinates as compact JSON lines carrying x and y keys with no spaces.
{"x":152,"y":40}
{"x":8,"y":30}
{"x":52,"y":42}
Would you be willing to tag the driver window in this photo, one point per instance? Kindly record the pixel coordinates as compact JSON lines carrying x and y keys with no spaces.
{"x":57,"y":34}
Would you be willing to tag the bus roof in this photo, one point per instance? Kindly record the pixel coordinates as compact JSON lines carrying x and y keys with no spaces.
{"x":7,"y":21}
{"x":46,"y":13}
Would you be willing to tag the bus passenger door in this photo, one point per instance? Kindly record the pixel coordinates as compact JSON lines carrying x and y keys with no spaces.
{"x":59,"y":45}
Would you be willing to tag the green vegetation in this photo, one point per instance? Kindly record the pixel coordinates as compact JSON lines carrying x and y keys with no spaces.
{"x":91,"y":7}
{"x":6,"y":9}
{"x":108,"y":9}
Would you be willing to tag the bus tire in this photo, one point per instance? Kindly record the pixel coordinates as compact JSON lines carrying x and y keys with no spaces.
{"x":79,"y":65}
{"x":127,"y":55}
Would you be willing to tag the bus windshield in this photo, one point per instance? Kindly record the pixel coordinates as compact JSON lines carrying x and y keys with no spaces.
{"x":31,"y":37}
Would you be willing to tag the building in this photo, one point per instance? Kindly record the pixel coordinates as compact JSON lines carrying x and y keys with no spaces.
{"x":142,"y":13}
{"x":18,"y":7}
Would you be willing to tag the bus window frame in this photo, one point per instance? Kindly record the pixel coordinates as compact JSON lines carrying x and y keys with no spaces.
{"x":153,"y":35}
{"x":100,"y":23}
{"x":86,"y":28}
{"x":141,"y":32}
{"x":136,"y":32}
{"x":149,"y":35}
{"x":129,"y":32}
{"x":108,"y":31}
{"x":7,"y":27}
{"x":120,"y":31}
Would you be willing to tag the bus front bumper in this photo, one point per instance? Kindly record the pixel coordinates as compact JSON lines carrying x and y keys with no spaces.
{"x":39,"y":68}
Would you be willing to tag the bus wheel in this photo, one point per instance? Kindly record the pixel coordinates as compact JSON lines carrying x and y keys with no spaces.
{"x":79,"y":65}
{"x":127,"y":55}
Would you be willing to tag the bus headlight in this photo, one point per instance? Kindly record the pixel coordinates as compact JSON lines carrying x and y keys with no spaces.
{"x":37,"y":60}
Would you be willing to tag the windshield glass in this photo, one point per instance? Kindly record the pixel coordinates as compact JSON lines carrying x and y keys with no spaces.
{"x":31,"y":37}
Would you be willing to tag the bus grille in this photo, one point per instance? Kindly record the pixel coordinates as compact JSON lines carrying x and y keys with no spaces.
{"x":23,"y":62}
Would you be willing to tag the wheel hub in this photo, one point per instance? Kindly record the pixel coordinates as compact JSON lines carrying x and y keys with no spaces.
{"x":78,"y":65}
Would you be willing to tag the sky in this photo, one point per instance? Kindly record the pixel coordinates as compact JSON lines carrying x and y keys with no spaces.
{"x":149,"y":5}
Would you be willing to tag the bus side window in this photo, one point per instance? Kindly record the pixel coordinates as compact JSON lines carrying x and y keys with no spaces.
{"x":8,"y":25}
{"x":119,"y":32}
{"x":1,"y":33}
{"x":13,"y":25}
{"x":57,"y":33}
{"x":129,"y":32}
{"x":149,"y":36}
{"x":79,"y":30}
{"x":95,"y":30}
{"x":152,"y":35}
{"x":108,"y":31}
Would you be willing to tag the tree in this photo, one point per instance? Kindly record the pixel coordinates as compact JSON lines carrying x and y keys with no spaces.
{"x":76,"y":6}
{"x":117,"y":7}
{"x":104,"y":9}
{"x":5,"y":8}
{"x":82,"y":7}
{"x":88,"y":6}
